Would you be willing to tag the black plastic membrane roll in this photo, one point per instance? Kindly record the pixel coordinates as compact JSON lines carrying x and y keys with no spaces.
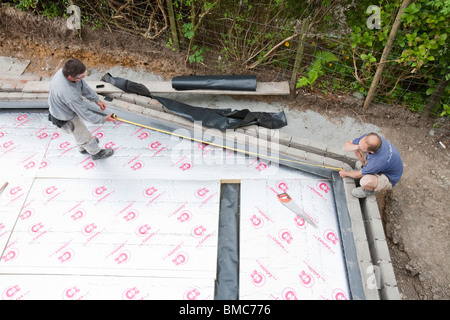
{"x":221,"y":119}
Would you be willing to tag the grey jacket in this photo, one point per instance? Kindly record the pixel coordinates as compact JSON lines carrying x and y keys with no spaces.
{"x":66,"y":99}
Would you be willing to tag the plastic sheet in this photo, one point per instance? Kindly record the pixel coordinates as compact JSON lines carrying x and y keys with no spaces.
{"x":227,"y":282}
{"x":221,"y":119}
{"x":122,"y":228}
{"x":235,"y":83}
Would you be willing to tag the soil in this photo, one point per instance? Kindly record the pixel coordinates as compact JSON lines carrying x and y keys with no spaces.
{"x":415,"y":213}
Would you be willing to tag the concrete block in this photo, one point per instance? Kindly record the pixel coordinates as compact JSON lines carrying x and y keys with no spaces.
{"x":142,"y":100}
{"x":381,"y":251}
{"x":151,"y":113}
{"x":375,"y":230}
{"x":359,"y":231}
{"x":15,"y":95}
{"x":370,"y":207}
{"x":166,"y":117}
{"x":315,"y":158}
{"x":29,"y":96}
{"x":335,"y":152}
{"x":296,"y":153}
{"x":370,"y":280}
{"x":7,"y":86}
{"x":362,"y":251}
{"x":41,"y":95}
{"x":390,"y":293}
{"x":252,"y":131}
{"x":4,"y":96}
{"x":129,"y":97}
{"x":284,"y":138}
{"x":299,"y":143}
{"x":265,"y":133}
{"x":317,"y":147}
{"x":136,"y":109}
{"x":181,"y":121}
{"x":387,"y":274}
{"x":332,"y":162}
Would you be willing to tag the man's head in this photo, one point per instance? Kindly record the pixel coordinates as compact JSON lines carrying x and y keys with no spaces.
{"x":74,"y":70}
{"x":370,"y":143}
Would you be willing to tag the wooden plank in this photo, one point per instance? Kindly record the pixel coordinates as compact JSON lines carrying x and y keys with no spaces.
{"x":262,"y":88}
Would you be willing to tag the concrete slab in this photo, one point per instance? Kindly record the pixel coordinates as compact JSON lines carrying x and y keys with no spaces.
{"x":13,"y":66}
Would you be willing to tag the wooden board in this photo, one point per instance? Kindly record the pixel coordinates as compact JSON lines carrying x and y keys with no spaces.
{"x":262,"y":88}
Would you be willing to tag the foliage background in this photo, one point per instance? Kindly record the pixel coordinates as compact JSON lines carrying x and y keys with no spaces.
{"x":243,"y":36}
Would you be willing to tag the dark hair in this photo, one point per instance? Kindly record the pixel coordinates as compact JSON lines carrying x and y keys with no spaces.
{"x":373,"y":144}
{"x":73,"y":67}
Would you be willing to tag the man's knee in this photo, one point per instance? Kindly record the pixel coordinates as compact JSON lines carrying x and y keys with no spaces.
{"x":369,"y":182}
{"x":375,"y":182}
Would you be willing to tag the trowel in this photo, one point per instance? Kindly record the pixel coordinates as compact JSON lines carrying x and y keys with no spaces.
{"x":291,"y":205}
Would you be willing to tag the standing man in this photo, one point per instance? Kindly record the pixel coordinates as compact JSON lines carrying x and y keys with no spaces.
{"x":68,"y":109}
{"x":382,"y":166}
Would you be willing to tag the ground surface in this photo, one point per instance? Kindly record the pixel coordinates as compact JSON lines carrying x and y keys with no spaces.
{"x":415,"y":213}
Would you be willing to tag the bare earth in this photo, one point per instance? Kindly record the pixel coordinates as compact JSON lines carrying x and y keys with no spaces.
{"x":415,"y":213}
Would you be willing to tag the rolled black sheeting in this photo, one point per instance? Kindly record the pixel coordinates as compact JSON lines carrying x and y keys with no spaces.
{"x":227,"y":279}
{"x":234,"y":83}
{"x":221,"y":119}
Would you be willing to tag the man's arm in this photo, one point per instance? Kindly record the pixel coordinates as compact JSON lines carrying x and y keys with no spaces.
{"x":88,"y":92}
{"x":351,"y":174}
{"x":349,"y":146}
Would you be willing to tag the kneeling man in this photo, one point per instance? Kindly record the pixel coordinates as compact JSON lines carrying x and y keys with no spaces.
{"x":382,"y":166}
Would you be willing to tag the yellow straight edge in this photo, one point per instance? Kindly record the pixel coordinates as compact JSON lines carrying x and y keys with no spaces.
{"x":226,"y":147}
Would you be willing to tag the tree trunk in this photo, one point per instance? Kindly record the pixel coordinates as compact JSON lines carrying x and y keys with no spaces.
{"x":435,"y":97}
{"x":386,"y":51}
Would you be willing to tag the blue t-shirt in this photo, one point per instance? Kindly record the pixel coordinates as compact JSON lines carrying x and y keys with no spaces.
{"x":385,"y":160}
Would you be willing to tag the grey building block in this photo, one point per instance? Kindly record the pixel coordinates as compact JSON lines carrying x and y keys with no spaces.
{"x":381,"y":252}
{"x":284,"y":138}
{"x":151,"y":113}
{"x":370,"y":207}
{"x":142,"y":100}
{"x":299,"y":143}
{"x":371,"y":280}
{"x":129,"y":97}
{"x":332,"y":162}
{"x":313,"y":157}
{"x":390,"y":293}
{"x":362,"y":250}
{"x":15,"y":95}
{"x":387,"y":274}
{"x":296,"y":153}
{"x":135,"y":108}
{"x":335,"y":152}
{"x":317,"y":147}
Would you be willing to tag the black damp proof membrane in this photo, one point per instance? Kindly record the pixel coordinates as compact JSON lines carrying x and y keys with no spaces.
{"x":221,"y":119}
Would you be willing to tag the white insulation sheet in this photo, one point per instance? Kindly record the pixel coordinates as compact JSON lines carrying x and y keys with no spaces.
{"x":282,"y":256}
{"x":143,"y":224}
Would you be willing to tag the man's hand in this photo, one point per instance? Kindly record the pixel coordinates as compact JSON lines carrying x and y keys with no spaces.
{"x":102,"y":105}
{"x":350,"y":174}
{"x":110,"y":118}
{"x":343,"y":173}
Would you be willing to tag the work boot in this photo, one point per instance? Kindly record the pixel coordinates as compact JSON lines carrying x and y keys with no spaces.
{"x":83,"y":150}
{"x":104,"y":153}
{"x":361,"y":193}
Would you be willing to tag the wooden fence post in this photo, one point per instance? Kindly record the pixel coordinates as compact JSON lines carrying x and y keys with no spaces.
{"x":173,"y":25}
{"x":299,"y":56}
